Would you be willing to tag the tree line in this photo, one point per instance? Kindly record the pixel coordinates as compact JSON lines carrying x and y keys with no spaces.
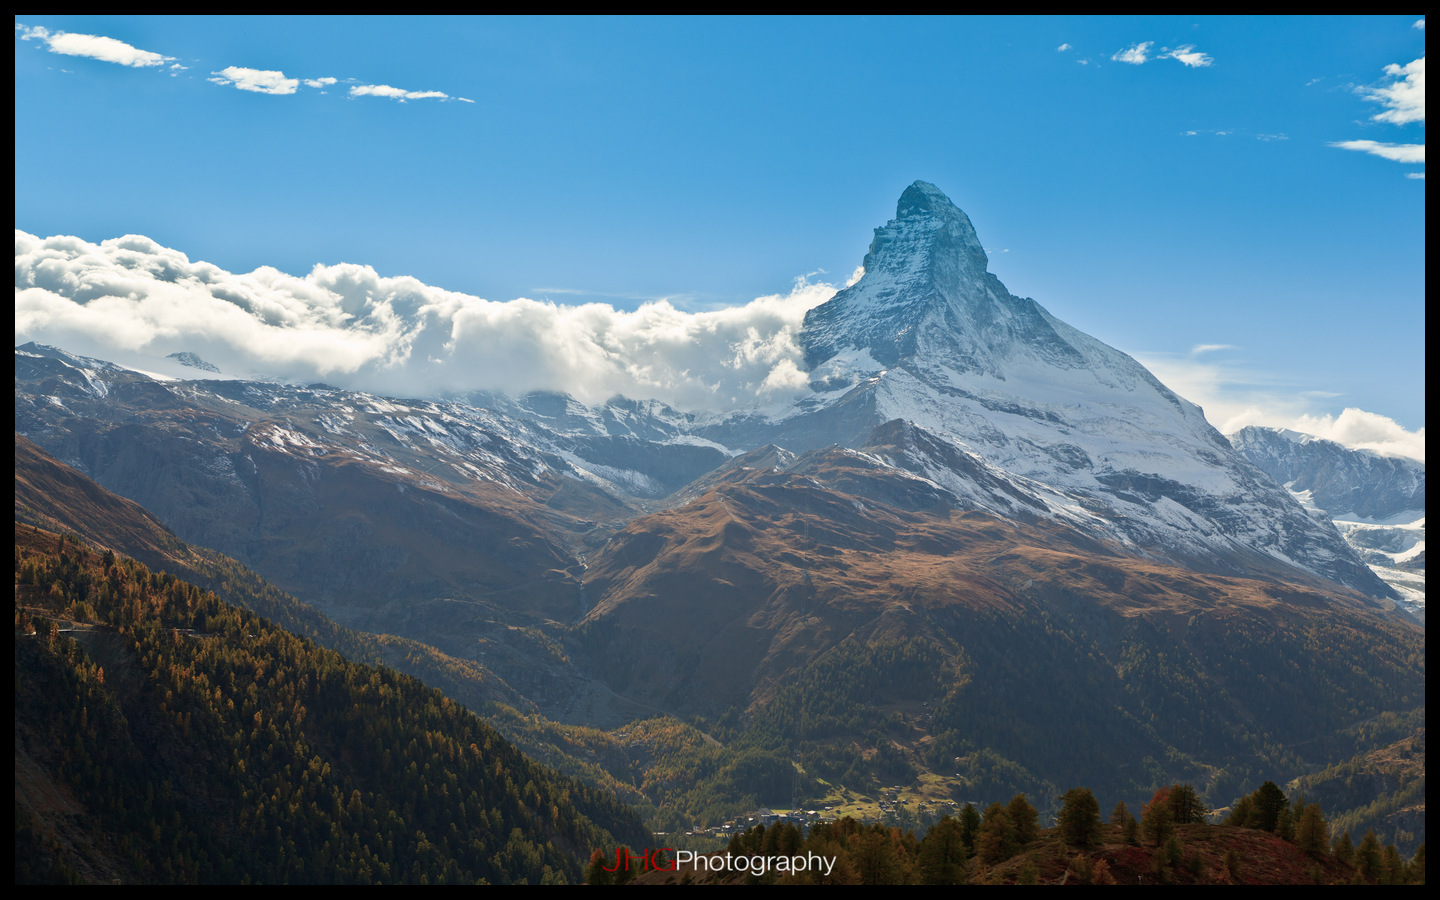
{"x":1169,"y":842}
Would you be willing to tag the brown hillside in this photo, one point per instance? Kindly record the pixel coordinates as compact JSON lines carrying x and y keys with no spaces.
{"x":51,"y":495}
{"x":730,"y":593}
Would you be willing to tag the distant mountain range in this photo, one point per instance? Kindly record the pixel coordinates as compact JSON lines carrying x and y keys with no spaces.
{"x":1377,"y":502}
{"x":1359,"y":484}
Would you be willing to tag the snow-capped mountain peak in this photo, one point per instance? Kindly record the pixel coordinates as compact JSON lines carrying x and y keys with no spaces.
{"x":927,"y":291}
{"x":929,"y":336}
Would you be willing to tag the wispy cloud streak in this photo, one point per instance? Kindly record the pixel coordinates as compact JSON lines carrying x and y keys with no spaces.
{"x":93,"y":46}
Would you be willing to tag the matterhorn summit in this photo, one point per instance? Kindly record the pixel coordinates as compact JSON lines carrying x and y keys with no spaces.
{"x":926,"y":268}
{"x":1089,"y":436}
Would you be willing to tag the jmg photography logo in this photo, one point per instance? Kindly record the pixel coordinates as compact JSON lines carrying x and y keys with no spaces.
{"x":668,"y":859}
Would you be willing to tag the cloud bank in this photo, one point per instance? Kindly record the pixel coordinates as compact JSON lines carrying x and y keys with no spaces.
{"x":131,"y":300}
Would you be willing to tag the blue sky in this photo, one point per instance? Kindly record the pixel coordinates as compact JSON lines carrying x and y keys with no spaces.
{"x":1239,"y":203}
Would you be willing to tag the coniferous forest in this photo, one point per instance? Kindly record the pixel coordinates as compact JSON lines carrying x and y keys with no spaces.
{"x":170,"y":737}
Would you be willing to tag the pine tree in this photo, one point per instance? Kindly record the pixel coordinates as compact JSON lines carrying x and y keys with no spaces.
{"x":1232,"y":864}
{"x":996,"y":839}
{"x":1270,"y":802}
{"x":969,"y":827}
{"x":1312,"y":833}
{"x":1120,"y":815}
{"x":1392,"y":867}
{"x":1285,"y":825}
{"x":1129,"y":832}
{"x":1242,"y":812}
{"x":1367,"y":857}
{"x":1100,"y":873}
{"x":1185,"y":805}
{"x":1081,"y":869}
{"x":1080,"y":818}
{"x":942,"y":854}
{"x":1025,"y":819}
{"x":874,"y":857}
{"x":1343,"y":848}
{"x":1156,"y":820}
{"x":1415,"y":870}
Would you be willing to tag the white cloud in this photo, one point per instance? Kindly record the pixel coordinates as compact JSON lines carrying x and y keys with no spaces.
{"x":1353,"y":428}
{"x":1135,"y":55}
{"x":130,"y":299}
{"x":1234,"y":396}
{"x":1405,"y":153}
{"x":1188,"y":55}
{"x":261,"y":81}
{"x":1361,"y":430}
{"x":93,"y":46}
{"x":1420,"y":24}
{"x":1404,"y":97}
{"x":1138,"y":54}
{"x":1062,"y":48}
{"x":385,"y":90}
{"x":1419,"y":176}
